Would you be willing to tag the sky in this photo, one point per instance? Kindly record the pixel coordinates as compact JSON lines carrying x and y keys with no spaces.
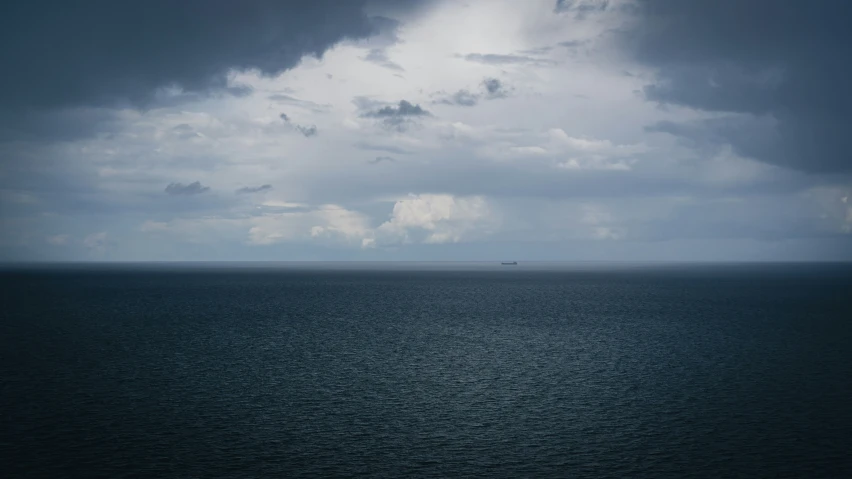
{"x":480,"y":130}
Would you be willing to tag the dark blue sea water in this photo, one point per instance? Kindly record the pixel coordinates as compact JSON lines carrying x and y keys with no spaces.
{"x":426,"y":371}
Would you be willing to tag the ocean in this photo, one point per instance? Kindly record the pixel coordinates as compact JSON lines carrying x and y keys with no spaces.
{"x":426,"y":370}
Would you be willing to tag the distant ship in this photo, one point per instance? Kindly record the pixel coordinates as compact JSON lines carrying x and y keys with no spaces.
{"x":509,"y":263}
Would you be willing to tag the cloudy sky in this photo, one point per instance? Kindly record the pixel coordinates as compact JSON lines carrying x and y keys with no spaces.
{"x":426,"y":130}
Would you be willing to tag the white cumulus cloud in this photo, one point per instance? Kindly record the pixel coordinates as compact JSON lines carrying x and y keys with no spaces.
{"x":437,"y":218}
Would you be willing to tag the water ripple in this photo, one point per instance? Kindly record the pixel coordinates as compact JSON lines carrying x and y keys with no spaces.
{"x":684,"y":374}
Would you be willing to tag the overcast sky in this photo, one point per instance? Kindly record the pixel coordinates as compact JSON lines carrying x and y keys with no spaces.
{"x":426,"y":130}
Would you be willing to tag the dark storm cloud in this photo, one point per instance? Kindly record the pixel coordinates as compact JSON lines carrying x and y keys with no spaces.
{"x":750,"y":137}
{"x":385,"y":32}
{"x":774,"y":61}
{"x":175,"y":95}
{"x":59,"y":125}
{"x":254,"y":189}
{"x":398,"y":117}
{"x":99,"y":52}
{"x":193,"y":188}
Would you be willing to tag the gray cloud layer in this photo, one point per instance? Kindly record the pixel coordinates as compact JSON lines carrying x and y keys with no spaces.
{"x":581,"y":8}
{"x":193,"y":188}
{"x":501,"y":59}
{"x":362,"y":145}
{"x":781,"y":62}
{"x":380,"y":159}
{"x":254,"y":189}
